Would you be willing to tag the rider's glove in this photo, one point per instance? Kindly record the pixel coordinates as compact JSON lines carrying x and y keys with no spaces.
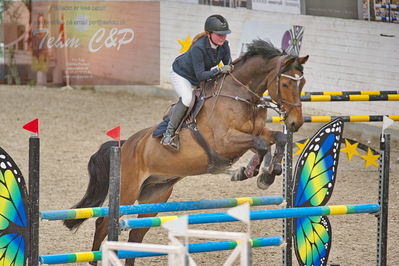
{"x":226,"y":69}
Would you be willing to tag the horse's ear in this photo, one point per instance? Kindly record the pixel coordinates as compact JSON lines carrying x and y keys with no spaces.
{"x":290,"y":61}
{"x":302,"y":60}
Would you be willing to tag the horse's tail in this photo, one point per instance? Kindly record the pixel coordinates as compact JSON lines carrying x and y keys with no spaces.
{"x":97,"y":190}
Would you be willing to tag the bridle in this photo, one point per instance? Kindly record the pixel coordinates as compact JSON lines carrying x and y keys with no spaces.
{"x":261,"y":102}
{"x":280,"y":100}
{"x":275,"y":104}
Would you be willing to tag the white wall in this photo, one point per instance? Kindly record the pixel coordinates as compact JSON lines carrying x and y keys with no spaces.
{"x":344,"y":54}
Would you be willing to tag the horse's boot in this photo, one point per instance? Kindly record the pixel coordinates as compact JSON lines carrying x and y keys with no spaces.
{"x":170,"y":140}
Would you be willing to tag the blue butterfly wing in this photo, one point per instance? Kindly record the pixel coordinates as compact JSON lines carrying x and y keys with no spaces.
{"x":13,"y":218}
{"x":314,"y":182}
{"x":317,"y":166}
{"x":12,"y":249}
{"x":312,"y":240}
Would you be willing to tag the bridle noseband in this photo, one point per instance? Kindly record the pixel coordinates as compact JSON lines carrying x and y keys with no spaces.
{"x":280,"y":100}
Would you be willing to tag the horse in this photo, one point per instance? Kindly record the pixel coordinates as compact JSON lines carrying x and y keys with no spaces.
{"x":231,"y":122}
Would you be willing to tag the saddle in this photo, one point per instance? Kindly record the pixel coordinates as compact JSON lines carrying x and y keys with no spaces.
{"x":216,"y":162}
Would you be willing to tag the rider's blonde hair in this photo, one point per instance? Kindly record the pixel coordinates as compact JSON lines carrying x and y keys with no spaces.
{"x":199,"y":35}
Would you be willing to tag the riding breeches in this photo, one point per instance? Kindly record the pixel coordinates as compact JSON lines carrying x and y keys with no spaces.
{"x":182,"y":86}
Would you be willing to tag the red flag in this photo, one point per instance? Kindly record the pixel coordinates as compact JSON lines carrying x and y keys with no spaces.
{"x":32,"y":126}
{"x":115,"y":133}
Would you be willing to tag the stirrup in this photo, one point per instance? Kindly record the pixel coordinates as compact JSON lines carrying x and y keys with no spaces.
{"x":172,"y":144}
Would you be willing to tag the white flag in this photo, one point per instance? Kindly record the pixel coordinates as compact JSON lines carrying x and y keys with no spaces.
{"x":240,"y":212}
{"x":387,"y":122}
{"x":178,"y":226}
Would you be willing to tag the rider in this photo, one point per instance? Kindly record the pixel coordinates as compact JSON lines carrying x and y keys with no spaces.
{"x":197,"y":64}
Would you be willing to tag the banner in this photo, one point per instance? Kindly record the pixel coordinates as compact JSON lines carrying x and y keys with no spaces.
{"x":283,"y":36}
{"x":97,"y":43}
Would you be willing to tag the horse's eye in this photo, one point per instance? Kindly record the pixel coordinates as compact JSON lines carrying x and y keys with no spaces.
{"x":285,"y":85}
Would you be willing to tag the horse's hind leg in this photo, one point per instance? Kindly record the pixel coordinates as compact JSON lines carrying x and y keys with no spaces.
{"x":266,"y":178}
{"x":151,"y":193}
{"x":129,"y":195}
{"x":99,"y":235}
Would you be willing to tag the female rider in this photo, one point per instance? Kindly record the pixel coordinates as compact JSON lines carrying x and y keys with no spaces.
{"x":197,"y":64}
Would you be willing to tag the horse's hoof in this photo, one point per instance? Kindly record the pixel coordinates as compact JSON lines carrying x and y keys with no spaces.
{"x":92,"y":263}
{"x":239,"y":175}
{"x":265,"y":180}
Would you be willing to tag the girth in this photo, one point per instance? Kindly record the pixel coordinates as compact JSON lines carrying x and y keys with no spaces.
{"x":216,"y":162}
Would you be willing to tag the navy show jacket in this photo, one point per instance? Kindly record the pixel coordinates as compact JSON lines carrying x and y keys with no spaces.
{"x":195,"y":64}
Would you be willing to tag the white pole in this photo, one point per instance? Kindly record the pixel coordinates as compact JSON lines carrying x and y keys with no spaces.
{"x":105,"y":250}
{"x":233,"y":255}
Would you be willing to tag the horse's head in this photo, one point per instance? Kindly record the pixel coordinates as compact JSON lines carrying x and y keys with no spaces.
{"x":285,"y":88}
{"x":264,"y":67}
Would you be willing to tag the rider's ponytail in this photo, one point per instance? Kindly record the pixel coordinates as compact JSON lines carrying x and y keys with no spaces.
{"x":198,"y":36}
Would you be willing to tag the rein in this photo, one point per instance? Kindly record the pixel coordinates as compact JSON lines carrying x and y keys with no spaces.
{"x":261,"y":102}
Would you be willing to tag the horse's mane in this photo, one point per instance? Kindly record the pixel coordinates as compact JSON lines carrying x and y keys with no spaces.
{"x":265,"y":49}
{"x":260,"y":47}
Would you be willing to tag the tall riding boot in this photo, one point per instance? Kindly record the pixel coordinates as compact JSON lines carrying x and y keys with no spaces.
{"x":170,"y":140}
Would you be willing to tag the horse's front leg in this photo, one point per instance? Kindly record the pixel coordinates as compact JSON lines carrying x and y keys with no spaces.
{"x":245,"y":141}
{"x":252,"y":169}
{"x":269,"y":172}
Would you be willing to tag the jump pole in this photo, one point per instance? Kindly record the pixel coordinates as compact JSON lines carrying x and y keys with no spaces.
{"x":222,"y":217}
{"x":161,"y":207}
{"x":307,"y":93}
{"x":192,"y":248}
{"x":349,"y":98}
{"x":327,"y":118}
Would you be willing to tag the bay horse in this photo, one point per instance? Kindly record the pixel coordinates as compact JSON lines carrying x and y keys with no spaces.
{"x":231,"y":121}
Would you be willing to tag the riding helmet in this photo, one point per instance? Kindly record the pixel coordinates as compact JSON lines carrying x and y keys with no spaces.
{"x":217,"y":24}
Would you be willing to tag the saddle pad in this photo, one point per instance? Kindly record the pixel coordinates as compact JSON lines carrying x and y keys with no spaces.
{"x":161,"y":128}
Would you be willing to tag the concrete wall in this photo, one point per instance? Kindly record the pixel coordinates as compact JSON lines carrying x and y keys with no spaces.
{"x":344,"y":54}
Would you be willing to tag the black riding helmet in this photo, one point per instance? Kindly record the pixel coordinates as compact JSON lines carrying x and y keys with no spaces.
{"x":217,"y":24}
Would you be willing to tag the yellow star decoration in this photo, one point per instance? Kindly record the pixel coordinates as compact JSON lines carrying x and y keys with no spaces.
{"x":300,"y":147}
{"x":185,"y":45}
{"x":370,"y":158}
{"x":350,"y":149}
